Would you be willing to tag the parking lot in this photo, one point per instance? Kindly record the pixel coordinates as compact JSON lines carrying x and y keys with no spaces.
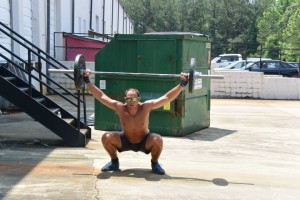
{"x":250,"y":151}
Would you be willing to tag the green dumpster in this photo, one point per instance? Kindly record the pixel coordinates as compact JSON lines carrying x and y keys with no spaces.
{"x":162,"y":53}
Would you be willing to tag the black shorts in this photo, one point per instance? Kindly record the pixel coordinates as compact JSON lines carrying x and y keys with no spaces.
{"x":127,"y":146}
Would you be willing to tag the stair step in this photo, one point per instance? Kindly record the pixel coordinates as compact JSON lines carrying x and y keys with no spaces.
{"x":38,"y":99}
{"x":29,"y":99}
{"x":68,"y":120}
{"x":84,"y":131}
{"x":23,"y":89}
{"x":54,"y":110}
{"x":9,"y":78}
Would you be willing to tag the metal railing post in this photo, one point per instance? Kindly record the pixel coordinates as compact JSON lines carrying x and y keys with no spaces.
{"x":40,"y":71}
{"x":29,"y":73}
{"x":84,"y":104}
{"x":78,"y":110}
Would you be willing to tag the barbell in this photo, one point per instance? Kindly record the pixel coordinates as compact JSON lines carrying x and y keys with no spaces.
{"x":80,"y":67}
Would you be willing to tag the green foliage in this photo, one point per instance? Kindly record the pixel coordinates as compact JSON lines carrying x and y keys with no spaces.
{"x":278,"y":28}
{"x":291,"y":37}
{"x":235,"y":26}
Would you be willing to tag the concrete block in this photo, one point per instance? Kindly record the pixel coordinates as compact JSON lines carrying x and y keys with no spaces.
{"x":218,"y":94}
{"x":256,"y":95}
{"x":227,"y":84}
{"x":228,"y":90}
{"x":256,"y":85}
{"x":297,"y":88}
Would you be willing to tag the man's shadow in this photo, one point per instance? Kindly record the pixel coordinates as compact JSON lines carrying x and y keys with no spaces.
{"x":149,"y":176}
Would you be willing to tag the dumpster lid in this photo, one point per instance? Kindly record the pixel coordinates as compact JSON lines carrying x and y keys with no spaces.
{"x":164,"y":35}
{"x":177,"y":33}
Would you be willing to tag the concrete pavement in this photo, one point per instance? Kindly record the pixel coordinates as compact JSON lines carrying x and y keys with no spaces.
{"x":251,"y":151}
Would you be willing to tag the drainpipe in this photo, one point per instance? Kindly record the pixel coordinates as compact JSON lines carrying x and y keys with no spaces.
{"x":112,"y":17}
{"x":48,"y":39}
{"x":91,"y":15}
{"x":118,"y":16}
{"x":123,"y":20}
{"x":73,"y":15}
{"x":103,"y":24}
{"x":48,"y":28}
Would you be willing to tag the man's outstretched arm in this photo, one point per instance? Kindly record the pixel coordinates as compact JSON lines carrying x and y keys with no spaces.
{"x":170,"y":95}
{"x":99,"y":94}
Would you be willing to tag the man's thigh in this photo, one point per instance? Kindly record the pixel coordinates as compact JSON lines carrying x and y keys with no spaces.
{"x":114,"y":138}
{"x":153,"y":139}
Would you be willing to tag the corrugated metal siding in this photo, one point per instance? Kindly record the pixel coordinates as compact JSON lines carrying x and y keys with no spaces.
{"x":5,"y":41}
{"x":5,"y":18}
{"x":27,"y":17}
{"x":108,"y":18}
{"x":121,"y":20}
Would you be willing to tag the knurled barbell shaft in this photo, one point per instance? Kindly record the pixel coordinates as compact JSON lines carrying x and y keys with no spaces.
{"x":196,"y":75}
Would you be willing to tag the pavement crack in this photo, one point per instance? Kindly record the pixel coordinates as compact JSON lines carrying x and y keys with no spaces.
{"x":97,"y":196}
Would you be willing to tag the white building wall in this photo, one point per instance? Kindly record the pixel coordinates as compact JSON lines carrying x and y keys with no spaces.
{"x":27,"y":25}
{"x":107,"y":17}
{"x":121,"y":19}
{"x":82,"y":16}
{"x":5,"y":41}
{"x":64,"y":15}
{"x":98,"y":11}
{"x":39,"y":32}
{"x":5,"y":12}
{"x":5,"y":18}
{"x":39,"y":23}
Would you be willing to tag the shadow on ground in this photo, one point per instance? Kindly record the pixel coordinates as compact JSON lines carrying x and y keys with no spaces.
{"x":16,"y":161}
{"x":149,"y":176}
{"x":210,"y":134}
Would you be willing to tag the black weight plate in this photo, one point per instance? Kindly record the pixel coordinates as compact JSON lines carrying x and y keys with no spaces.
{"x":191,"y":75}
{"x":79,"y":68}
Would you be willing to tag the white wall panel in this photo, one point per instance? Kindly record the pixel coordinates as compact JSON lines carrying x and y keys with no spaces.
{"x":107,"y":17}
{"x":27,"y":25}
{"x":82,"y":12}
{"x":5,"y":18}
{"x":27,"y":19}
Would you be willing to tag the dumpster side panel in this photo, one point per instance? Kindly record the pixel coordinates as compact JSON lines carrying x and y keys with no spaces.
{"x":116,"y":56}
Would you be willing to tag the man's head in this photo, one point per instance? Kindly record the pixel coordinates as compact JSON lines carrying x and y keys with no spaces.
{"x":132,"y":96}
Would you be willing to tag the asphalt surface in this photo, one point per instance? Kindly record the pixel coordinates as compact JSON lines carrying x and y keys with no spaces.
{"x":250,"y":151}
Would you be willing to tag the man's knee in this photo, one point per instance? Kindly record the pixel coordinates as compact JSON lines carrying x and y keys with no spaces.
{"x":155,"y":140}
{"x":107,"y":137}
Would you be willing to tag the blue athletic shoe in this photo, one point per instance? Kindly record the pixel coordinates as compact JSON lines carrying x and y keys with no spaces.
{"x":111,"y":166}
{"x":157,"y":169}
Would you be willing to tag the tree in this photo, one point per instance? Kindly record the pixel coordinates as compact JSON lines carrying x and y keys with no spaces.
{"x":290,"y":36}
{"x":268,"y":34}
{"x":235,"y":26}
{"x":275,"y":26}
{"x":141,"y":14}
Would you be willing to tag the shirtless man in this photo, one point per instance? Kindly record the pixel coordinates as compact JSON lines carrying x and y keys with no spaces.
{"x":134,"y":118}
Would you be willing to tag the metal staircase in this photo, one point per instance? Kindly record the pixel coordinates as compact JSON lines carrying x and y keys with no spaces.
{"x":32,"y":101}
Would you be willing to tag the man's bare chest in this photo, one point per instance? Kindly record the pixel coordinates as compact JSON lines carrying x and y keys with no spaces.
{"x":138,"y":118}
